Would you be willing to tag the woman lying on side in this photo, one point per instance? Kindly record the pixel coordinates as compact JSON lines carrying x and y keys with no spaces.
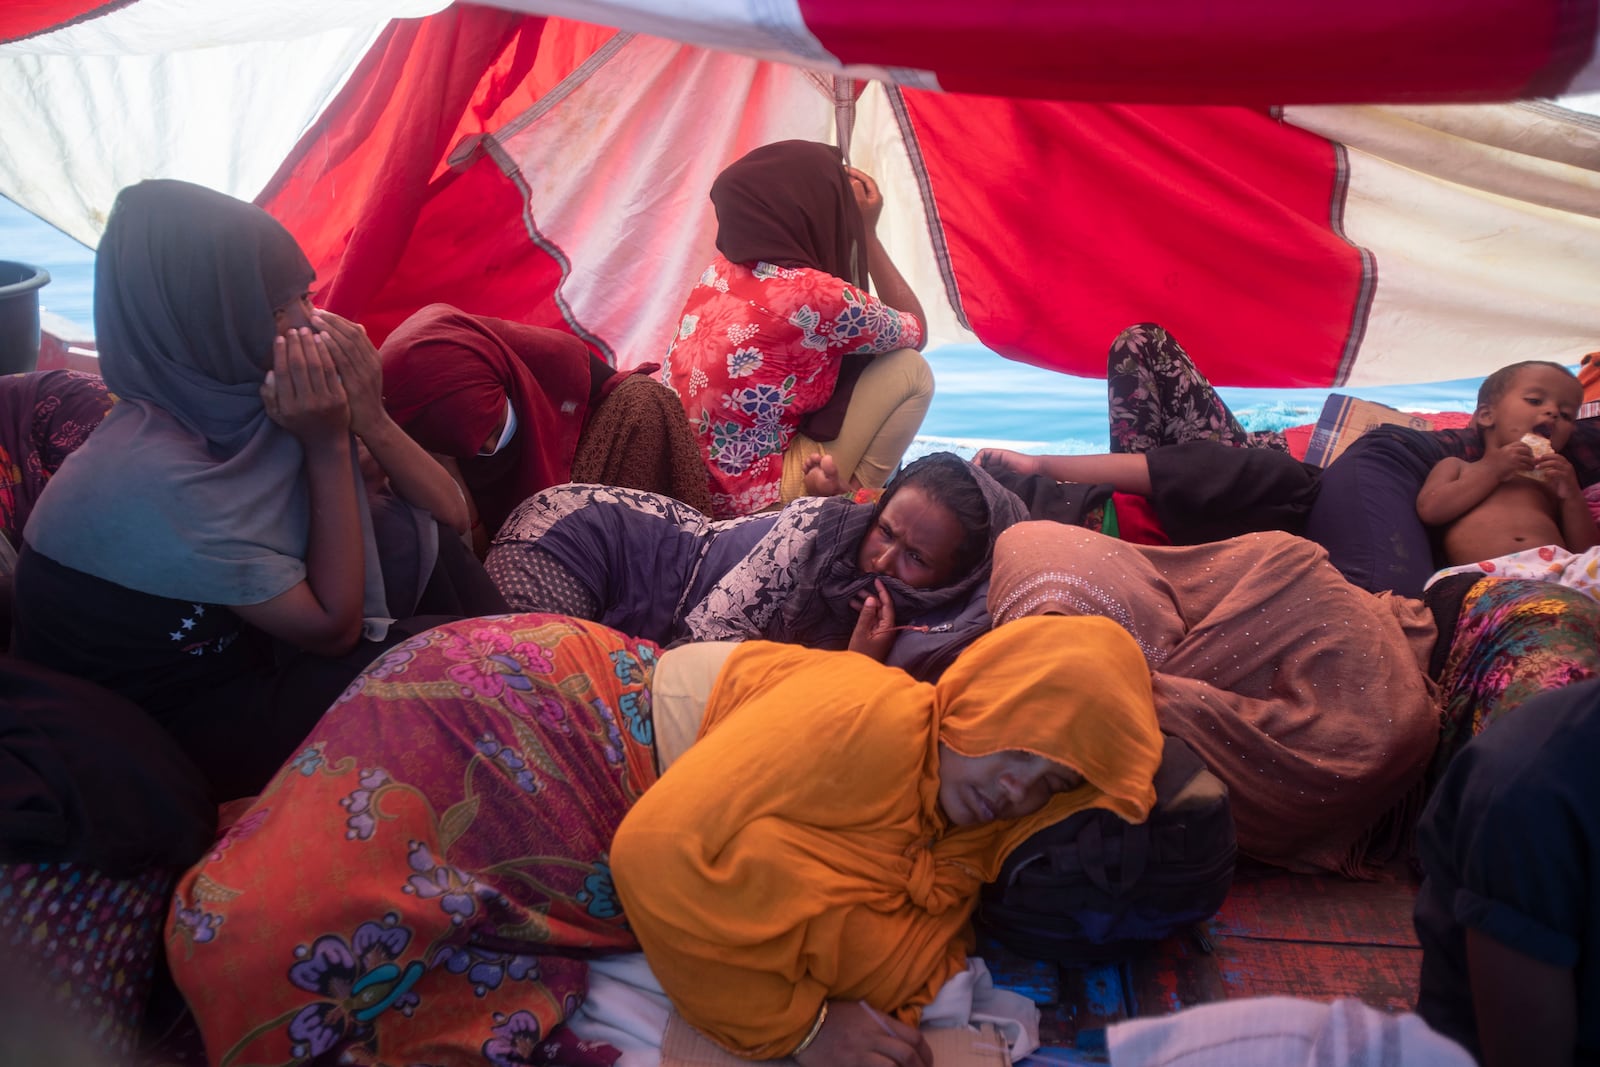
{"x":904,"y":579}
{"x":423,"y":882}
{"x":1306,"y":695}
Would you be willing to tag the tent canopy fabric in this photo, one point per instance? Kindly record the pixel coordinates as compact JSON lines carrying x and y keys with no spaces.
{"x":1301,"y":195}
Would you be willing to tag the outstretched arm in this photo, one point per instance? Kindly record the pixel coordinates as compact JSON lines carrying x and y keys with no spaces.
{"x":1126,"y":472}
{"x":415,"y":475}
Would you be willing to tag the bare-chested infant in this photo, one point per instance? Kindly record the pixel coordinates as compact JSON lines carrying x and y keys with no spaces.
{"x":1518,"y":512}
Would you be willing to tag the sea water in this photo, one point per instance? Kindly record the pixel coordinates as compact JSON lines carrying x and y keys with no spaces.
{"x":980,"y":399}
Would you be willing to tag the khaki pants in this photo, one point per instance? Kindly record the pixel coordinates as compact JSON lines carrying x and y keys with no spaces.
{"x":886,"y":410}
{"x":679,"y":690}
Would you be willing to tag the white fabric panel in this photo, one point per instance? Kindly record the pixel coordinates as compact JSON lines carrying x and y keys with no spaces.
{"x":154,"y":26}
{"x":637,"y":225}
{"x":223,"y":117}
{"x":766,"y":29}
{"x":1485,"y":225}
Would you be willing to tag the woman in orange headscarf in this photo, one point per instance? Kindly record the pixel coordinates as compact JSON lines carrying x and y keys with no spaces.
{"x":813,"y":859}
{"x":426,"y":879}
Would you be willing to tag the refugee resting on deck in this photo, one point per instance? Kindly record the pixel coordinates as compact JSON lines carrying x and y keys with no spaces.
{"x":1518,"y":512}
{"x":781,"y":351}
{"x":1304,"y":694}
{"x":649,"y":566}
{"x":511,"y":409}
{"x":209,"y":551}
{"x":422,"y":882}
{"x":1182,"y":468}
{"x":1509,"y":910}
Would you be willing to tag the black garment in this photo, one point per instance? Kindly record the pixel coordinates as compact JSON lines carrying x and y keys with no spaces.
{"x":1204,"y":491}
{"x":1201,"y":491}
{"x":458,"y":586}
{"x":87,"y":778}
{"x":153,"y":650}
{"x":1046,"y":499}
{"x":237,"y":702}
{"x":1510,"y":846}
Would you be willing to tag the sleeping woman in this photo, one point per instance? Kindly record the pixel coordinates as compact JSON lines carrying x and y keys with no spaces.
{"x":1305,"y":695}
{"x":427,"y":880}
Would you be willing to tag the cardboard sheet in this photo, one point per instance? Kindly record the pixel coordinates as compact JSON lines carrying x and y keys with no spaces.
{"x":1345,"y":418}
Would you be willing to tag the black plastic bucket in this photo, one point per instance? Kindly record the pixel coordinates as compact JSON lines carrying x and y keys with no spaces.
{"x":19,"y":315}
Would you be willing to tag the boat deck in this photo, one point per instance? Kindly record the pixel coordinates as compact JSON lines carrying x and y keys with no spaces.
{"x":1277,"y":934}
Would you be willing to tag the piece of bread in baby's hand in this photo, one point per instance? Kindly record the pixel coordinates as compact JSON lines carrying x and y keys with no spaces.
{"x":1541,"y":447}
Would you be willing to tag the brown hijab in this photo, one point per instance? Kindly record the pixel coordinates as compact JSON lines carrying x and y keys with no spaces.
{"x":790,"y":204}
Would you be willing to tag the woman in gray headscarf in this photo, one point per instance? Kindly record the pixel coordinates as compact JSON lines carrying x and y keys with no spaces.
{"x":209,"y":551}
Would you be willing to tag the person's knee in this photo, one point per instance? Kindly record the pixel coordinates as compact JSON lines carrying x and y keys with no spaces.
{"x":907,"y":369}
{"x":1137,"y":335}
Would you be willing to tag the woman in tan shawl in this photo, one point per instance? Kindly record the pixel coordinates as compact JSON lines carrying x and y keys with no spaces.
{"x":1306,"y":695}
{"x":801,"y":879}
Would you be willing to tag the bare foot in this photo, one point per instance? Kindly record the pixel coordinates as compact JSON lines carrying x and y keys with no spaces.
{"x":822,"y":475}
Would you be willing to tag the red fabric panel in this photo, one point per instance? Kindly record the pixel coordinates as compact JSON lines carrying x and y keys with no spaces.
{"x":25,"y":18}
{"x":1067,"y":222}
{"x":388,"y":224}
{"x":1239,"y":51}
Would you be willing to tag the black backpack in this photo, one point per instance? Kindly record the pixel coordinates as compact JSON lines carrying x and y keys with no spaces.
{"x":1094,"y":886}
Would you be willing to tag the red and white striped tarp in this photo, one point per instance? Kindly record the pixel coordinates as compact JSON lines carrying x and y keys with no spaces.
{"x":1219,"y":168}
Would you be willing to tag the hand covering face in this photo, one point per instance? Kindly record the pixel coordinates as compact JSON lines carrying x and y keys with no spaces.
{"x":797,"y":853}
{"x":187,"y":489}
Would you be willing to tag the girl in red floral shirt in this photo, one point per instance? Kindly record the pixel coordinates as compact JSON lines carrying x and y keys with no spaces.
{"x":781,"y":347}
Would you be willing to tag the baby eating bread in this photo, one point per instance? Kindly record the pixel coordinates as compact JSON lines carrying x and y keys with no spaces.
{"x":1518,"y":512}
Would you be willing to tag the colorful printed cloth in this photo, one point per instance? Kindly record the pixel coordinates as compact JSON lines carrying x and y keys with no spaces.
{"x":1549,"y":563}
{"x":758,"y":348}
{"x":44,"y":417}
{"x":420,"y":883}
{"x":86,"y":942}
{"x":1514,"y":639}
{"x":1158,"y":397}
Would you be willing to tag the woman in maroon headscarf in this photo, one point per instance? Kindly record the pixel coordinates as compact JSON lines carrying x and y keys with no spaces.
{"x":780,"y":358}
{"x":510,"y":409}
